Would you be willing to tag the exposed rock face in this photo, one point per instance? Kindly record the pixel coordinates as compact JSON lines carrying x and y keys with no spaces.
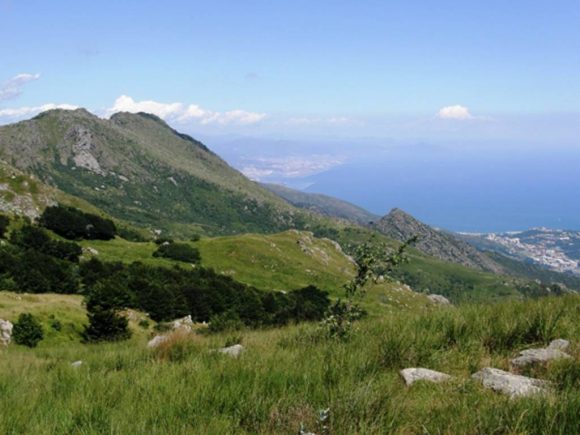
{"x":542,"y":355}
{"x":508,"y":383}
{"x":412,"y":375}
{"x":5,"y":332}
{"x":233,"y":351}
{"x":438,"y":299}
{"x":402,"y":226}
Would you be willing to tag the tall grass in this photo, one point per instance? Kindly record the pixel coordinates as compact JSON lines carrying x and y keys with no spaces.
{"x":286,"y":376}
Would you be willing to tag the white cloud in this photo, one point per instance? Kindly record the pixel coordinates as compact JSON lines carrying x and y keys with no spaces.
{"x":455,"y":112}
{"x":12,"y":88}
{"x":184,"y":113}
{"x":19,"y":112}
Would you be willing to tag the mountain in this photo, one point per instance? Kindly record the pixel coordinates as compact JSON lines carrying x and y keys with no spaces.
{"x":137,"y":168}
{"x":556,"y":250}
{"x":401,"y":226}
{"x":323,"y":204}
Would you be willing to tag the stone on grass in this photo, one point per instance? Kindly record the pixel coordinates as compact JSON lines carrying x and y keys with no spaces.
{"x":559,"y":344}
{"x":233,"y":351}
{"x":76,"y":364}
{"x":542,"y":355}
{"x":156,"y":341}
{"x":510,"y":384}
{"x":412,"y":375}
{"x":5,"y":332}
{"x":184,"y":323}
{"x":438,"y":299}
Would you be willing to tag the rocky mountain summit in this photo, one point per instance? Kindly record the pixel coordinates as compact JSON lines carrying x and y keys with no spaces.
{"x":137,"y":168}
{"x":402,"y":226}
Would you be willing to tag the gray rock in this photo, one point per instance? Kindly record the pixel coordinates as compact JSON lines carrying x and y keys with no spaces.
{"x":156,"y":341}
{"x":183,"y":323}
{"x":438,"y":299}
{"x":233,"y":351}
{"x":5,"y":332}
{"x":559,"y":344}
{"x":508,"y":383}
{"x":76,"y":364}
{"x":412,"y":375}
{"x":542,"y":355}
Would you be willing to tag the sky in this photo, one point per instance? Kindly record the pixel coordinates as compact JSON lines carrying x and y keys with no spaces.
{"x":310,"y":82}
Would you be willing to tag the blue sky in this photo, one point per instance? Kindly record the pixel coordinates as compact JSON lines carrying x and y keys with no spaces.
{"x":342,"y":68}
{"x":467,"y":114}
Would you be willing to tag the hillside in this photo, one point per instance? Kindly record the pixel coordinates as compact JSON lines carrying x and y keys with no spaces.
{"x":137,"y":168}
{"x":323,"y":204}
{"x":402,"y":226}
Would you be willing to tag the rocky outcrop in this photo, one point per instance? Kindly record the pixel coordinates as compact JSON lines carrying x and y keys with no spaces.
{"x":5,"y":332}
{"x":439,"y":300}
{"x":183,"y":323}
{"x":401,"y":226}
{"x":412,"y":375}
{"x":510,"y":384}
{"x":542,"y":355}
{"x":157,"y":341}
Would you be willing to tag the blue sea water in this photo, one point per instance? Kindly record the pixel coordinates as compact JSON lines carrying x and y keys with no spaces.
{"x":468,"y":191}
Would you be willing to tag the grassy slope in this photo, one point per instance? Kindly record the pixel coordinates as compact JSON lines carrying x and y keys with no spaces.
{"x":273,"y":262}
{"x":287,"y":375}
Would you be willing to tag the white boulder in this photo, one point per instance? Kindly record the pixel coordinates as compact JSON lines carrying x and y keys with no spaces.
{"x":233,"y":351}
{"x":156,"y":341}
{"x":438,"y":299}
{"x":508,"y":383}
{"x":5,"y":332}
{"x":412,"y":375}
{"x":542,"y":355}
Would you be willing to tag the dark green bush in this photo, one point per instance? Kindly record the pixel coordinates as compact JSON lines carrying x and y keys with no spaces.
{"x":106,"y":325}
{"x":179,"y":252}
{"x":75,"y":224}
{"x":27,"y":330}
{"x":4,"y":222}
{"x":35,"y":238}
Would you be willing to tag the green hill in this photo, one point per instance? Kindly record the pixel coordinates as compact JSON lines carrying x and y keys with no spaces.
{"x":323,"y":204}
{"x":137,"y":168}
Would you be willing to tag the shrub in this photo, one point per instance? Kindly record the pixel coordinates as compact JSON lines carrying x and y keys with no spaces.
{"x":31,"y":237}
{"x":27,"y":330}
{"x":106,"y":325}
{"x":179,"y":252}
{"x":75,"y":224}
{"x":4,"y":222}
{"x":226,"y":321}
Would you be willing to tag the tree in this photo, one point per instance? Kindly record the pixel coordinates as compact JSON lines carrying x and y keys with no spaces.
{"x":104,"y":301}
{"x":27,"y":330}
{"x":373,"y":260}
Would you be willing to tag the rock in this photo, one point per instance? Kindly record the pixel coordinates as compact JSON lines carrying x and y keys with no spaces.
{"x":76,"y":364}
{"x":412,"y":375}
{"x":508,"y":383}
{"x":542,"y":355}
{"x":438,"y":299}
{"x":233,"y":351}
{"x":156,"y":341}
{"x":90,"y":251}
{"x":5,"y":332}
{"x":185,"y":323}
{"x":559,"y":344}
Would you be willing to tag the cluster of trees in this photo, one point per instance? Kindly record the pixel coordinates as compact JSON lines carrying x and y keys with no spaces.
{"x":75,"y":224}
{"x":178,"y":251}
{"x":167,"y":294}
{"x":35,"y":262}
